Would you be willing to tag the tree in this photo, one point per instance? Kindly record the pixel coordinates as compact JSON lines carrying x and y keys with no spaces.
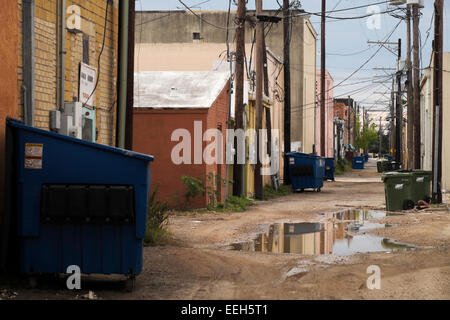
{"x":368,"y":135}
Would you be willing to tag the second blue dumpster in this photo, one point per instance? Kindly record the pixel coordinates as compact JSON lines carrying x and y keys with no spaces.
{"x":358,"y":163}
{"x":329,"y":169}
{"x":77,"y":203}
{"x":306,"y":171}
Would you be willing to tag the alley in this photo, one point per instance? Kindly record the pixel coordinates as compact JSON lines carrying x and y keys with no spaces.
{"x":201,"y":266}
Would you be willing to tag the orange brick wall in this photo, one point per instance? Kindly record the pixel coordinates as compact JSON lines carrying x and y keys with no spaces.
{"x":152,"y":130}
{"x":8,"y":78}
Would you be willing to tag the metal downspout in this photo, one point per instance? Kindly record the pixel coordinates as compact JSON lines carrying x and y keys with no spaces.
{"x":28,"y":61}
{"x":62,"y":54}
{"x":123,"y":70}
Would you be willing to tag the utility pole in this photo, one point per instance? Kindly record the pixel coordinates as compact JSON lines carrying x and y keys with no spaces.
{"x":437,"y":100}
{"x":287,"y":89}
{"x":399,"y":109}
{"x":410,"y":98}
{"x":322,"y":80}
{"x":349,"y":121}
{"x":416,"y":71}
{"x":259,"y":99}
{"x":379,"y":139}
{"x":355,"y":113}
{"x":392,"y":126}
{"x":238,"y":168}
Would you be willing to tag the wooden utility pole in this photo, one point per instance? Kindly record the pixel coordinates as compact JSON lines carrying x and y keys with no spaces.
{"x":287,"y":89}
{"x":379,"y":139}
{"x":349,"y":110}
{"x":416,"y":71}
{"x":437,"y":100}
{"x":410,"y":98}
{"x":322,"y":80}
{"x":259,"y":99}
{"x":399,"y":111}
{"x":392,"y":126}
{"x":267,"y":110}
{"x":238,"y":167}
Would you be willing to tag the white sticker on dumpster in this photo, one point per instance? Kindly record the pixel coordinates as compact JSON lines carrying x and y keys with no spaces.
{"x":398,"y":186}
{"x":33,"y":155}
{"x":291,"y":161}
{"x":420,"y":179}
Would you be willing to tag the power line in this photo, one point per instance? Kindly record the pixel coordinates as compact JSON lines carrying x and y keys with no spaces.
{"x":205,"y":21}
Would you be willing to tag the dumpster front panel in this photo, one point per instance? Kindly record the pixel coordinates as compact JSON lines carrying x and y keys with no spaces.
{"x":306,"y":171}
{"x":78,"y":203}
{"x":329,"y":168}
{"x":358,"y":163}
{"x":95,"y":249}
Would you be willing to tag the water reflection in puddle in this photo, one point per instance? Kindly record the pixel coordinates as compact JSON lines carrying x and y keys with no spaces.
{"x":342,"y":234}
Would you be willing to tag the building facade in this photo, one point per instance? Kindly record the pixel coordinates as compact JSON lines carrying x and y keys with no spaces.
{"x":193,"y":57}
{"x":329,"y":115}
{"x":426,"y":119}
{"x":155,"y":28}
{"x":171,"y":103}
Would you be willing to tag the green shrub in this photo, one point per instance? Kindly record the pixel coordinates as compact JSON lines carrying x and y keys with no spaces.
{"x":194,"y":187}
{"x":342,"y":166}
{"x":157,"y":218}
{"x":270,"y":193}
{"x":234,"y":204}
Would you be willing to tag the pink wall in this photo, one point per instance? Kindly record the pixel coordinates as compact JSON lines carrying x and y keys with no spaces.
{"x":329,"y":114}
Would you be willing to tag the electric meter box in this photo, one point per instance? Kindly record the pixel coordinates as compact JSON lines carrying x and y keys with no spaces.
{"x":88,"y":123}
{"x":78,"y":121}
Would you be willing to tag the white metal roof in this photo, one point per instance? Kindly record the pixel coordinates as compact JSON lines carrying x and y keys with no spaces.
{"x":178,"y":90}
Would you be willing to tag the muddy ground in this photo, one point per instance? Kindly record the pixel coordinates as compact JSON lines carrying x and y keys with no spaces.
{"x":200,"y":267}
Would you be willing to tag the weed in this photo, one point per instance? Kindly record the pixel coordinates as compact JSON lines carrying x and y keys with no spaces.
{"x":270,"y":193}
{"x":157,"y":218}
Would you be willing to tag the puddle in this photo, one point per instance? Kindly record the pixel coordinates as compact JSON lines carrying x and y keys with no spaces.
{"x":342,"y":234}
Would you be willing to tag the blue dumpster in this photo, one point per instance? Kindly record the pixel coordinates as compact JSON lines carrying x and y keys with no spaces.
{"x":76,"y":203}
{"x":306,"y":171}
{"x":388,"y":157}
{"x":329,"y":169}
{"x":358,"y":163}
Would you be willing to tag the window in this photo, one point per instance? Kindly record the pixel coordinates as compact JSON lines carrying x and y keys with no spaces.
{"x":196,"y":35}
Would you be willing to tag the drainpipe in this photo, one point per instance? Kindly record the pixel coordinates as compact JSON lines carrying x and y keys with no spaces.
{"x":123,"y":70}
{"x":28,"y":61}
{"x":62,"y":55}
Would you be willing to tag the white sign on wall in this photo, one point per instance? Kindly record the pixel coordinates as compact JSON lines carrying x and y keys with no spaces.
{"x":87,"y":84}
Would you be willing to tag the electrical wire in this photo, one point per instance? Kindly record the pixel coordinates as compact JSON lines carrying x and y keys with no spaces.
{"x":101,"y":52}
{"x":368,"y":60}
{"x":205,"y":21}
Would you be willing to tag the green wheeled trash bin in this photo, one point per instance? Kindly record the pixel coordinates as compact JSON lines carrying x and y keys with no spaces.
{"x":422,"y":185}
{"x":398,"y":187}
{"x":382,"y":165}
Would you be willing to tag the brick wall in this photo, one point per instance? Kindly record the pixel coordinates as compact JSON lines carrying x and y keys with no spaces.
{"x":46,"y":34}
{"x":218,"y":116}
{"x":8,"y":79}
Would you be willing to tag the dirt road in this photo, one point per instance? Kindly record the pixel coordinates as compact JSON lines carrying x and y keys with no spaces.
{"x":202,"y":268}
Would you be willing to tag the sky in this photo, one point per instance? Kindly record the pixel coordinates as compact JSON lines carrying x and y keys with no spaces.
{"x":346,"y":42}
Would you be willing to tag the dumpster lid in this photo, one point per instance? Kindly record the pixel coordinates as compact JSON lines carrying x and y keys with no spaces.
{"x":302,"y":155}
{"x":20,"y":125}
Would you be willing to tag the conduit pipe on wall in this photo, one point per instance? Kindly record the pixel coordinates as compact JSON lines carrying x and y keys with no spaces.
{"x":123,"y":70}
{"x":28,"y":60}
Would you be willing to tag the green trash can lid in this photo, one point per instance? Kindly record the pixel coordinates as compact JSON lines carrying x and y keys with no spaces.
{"x":396,"y":174}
